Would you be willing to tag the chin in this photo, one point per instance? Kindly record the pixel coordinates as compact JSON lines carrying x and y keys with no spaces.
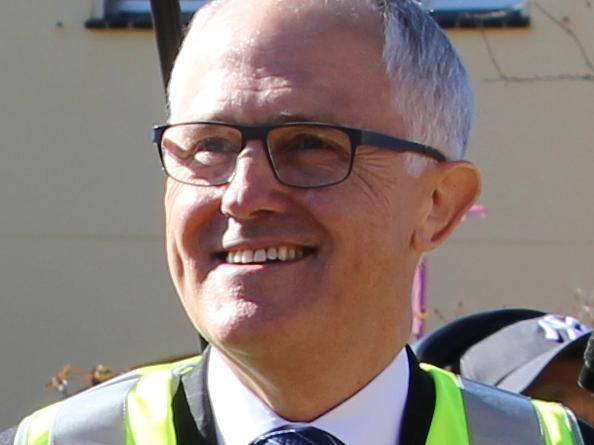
{"x":236,"y":325}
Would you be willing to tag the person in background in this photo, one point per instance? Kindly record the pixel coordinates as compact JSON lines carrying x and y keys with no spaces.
{"x":314,"y":153}
{"x":520,"y":350}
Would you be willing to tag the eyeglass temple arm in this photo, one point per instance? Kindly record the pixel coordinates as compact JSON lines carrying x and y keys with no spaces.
{"x":391,"y":143}
{"x":168,"y":33}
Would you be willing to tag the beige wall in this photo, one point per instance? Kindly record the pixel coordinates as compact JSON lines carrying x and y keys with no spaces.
{"x":534,"y":142}
{"x":82,"y":272}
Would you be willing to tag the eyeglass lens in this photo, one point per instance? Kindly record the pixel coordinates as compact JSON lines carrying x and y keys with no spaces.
{"x":301,"y":155}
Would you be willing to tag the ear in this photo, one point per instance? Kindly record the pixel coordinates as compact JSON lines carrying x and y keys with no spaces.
{"x":455,"y":186}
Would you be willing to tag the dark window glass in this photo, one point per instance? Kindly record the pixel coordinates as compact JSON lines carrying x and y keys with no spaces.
{"x":479,"y":12}
{"x":448,"y":13}
{"x":133,"y":13}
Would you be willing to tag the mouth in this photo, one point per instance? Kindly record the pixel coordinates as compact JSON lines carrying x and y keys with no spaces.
{"x":273,"y":254}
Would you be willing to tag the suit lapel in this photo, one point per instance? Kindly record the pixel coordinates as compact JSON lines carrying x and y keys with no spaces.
{"x":194,"y":422}
{"x":420,"y":404}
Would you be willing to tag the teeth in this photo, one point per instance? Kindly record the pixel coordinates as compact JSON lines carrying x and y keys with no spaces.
{"x":272,"y":253}
{"x":291,"y":255}
{"x":260,"y":256}
{"x":249,"y":256}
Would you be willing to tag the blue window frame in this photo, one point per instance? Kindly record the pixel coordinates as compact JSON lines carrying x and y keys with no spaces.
{"x":133,"y":13}
{"x":448,"y":13}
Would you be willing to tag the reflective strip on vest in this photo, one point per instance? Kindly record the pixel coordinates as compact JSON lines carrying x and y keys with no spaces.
{"x":104,"y":405}
{"x":499,"y":417}
{"x":36,"y":429}
{"x":67,"y":422}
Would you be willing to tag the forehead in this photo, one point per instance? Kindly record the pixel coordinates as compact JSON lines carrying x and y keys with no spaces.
{"x":257,"y":64}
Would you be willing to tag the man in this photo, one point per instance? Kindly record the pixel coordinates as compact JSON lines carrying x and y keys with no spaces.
{"x":519,"y":350}
{"x":297,"y":209}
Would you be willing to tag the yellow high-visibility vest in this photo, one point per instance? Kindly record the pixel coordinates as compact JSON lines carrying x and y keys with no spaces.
{"x":136,"y":409}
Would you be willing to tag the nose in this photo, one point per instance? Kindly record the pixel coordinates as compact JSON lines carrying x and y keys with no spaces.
{"x":253,"y":188}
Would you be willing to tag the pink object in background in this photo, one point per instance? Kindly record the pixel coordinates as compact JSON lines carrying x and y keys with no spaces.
{"x":419,"y":293}
{"x":476,"y":210}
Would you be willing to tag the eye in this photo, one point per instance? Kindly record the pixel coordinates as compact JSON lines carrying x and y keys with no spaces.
{"x":305,"y":145}
{"x":309,"y":142}
{"x":215,"y":144}
{"x":200,"y":153}
{"x":214,"y":151}
{"x":185,"y":141}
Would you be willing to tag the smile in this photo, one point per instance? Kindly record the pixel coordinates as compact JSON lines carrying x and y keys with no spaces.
{"x":258,"y":256}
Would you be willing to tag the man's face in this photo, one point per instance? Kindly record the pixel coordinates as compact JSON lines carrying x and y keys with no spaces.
{"x":352,"y":284}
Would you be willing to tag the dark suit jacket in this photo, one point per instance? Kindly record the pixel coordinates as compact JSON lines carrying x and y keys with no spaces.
{"x":194,"y":422}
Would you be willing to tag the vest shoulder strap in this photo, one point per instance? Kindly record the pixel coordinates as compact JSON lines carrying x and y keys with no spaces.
{"x":113,"y":413}
{"x":496,"y":417}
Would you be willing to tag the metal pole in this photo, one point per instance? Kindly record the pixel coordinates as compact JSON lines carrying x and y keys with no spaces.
{"x":168,"y":32}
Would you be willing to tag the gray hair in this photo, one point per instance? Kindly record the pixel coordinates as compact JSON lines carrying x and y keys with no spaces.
{"x":430,"y":82}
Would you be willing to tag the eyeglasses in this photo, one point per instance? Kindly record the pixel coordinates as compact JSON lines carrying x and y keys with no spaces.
{"x":301,"y":154}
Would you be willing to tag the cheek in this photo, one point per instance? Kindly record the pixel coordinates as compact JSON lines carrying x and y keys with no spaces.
{"x":380,"y":219}
{"x":175,"y":217}
{"x":369,"y":235}
{"x":389,"y":196}
{"x":188,"y":207}
{"x":189,"y":214}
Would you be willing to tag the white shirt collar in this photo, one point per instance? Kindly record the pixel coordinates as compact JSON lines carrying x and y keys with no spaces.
{"x":373,"y":415}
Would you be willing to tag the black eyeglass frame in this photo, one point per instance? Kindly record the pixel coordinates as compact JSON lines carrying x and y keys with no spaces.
{"x":357,"y":137}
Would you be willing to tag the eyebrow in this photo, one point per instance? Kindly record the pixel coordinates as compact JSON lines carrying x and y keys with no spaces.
{"x":279,"y":118}
{"x":285,"y":117}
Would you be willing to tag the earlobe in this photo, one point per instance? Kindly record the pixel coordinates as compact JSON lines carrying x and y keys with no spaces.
{"x":455,"y":188}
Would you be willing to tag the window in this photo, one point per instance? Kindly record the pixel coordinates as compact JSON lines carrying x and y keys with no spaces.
{"x":449,"y":13}
{"x":133,"y":13}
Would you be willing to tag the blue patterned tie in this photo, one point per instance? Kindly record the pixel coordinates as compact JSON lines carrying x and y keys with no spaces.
{"x":294,"y":435}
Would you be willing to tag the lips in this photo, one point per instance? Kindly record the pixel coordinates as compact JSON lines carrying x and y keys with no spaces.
{"x":265,"y":255}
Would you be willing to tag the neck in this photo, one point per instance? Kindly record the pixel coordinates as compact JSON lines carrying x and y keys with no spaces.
{"x":303,"y":390}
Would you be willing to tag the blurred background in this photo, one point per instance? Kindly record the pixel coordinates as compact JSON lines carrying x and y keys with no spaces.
{"x":83,"y":277}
